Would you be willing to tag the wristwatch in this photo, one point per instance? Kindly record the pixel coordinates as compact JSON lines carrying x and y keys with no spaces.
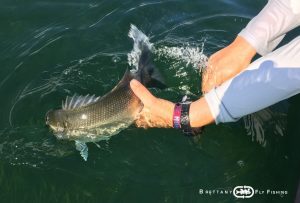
{"x":185,"y":118}
{"x":181,"y":119}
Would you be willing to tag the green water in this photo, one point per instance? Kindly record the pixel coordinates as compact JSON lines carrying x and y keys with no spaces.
{"x":51,"y":49}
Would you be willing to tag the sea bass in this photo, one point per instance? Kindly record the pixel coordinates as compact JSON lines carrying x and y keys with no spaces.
{"x":91,"y":119}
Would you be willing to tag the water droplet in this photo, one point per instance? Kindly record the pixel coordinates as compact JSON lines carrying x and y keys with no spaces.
{"x":116,"y":59}
{"x":241,"y":163}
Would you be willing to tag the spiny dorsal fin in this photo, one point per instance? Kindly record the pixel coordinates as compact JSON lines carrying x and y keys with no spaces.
{"x":77,"y":101}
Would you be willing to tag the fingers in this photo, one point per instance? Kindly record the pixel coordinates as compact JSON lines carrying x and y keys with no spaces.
{"x":204,"y":82}
{"x":156,"y":112}
{"x":141,"y":92}
{"x":207,"y":80}
{"x":142,"y":122}
{"x":209,"y":75}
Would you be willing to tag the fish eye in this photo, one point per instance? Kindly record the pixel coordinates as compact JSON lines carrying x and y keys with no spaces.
{"x":47,"y":119}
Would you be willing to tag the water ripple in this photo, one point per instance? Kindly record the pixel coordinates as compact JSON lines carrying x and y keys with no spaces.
{"x":44,"y":46}
{"x":193,"y":21}
{"x":146,"y":4}
{"x":102,"y":18}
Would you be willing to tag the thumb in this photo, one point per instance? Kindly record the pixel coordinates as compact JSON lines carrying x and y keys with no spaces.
{"x":141,"y":91}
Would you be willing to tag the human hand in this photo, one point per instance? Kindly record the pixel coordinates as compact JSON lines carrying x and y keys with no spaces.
{"x":156,"y":112}
{"x":226,"y":63}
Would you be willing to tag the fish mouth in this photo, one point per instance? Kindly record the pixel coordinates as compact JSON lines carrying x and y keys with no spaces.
{"x":58,"y":132}
{"x":55,"y":127}
{"x":47,"y":118}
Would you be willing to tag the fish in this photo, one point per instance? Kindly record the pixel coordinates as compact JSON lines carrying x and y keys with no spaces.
{"x":93,"y":118}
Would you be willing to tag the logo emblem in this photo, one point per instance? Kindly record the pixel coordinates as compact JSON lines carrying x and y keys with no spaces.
{"x":243,"y":191}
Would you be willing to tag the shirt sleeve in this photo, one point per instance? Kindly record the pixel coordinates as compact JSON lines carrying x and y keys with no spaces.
{"x":266,"y":81}
{"x":265,"y":31}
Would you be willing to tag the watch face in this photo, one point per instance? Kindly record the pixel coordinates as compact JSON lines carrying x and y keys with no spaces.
{"x":185,"y":120}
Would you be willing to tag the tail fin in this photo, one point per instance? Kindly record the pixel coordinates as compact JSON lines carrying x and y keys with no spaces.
{"x":146,"y":72}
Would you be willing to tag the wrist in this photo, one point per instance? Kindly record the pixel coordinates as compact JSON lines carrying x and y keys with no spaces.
{"x":182,"y":119}
{"x":243,"y":48}
{"x":200,"y":114}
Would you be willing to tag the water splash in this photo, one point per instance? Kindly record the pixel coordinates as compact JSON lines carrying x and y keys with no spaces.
{"x":187,"y":61}
{"x":193,"y":56}
{"x":180,"y":58}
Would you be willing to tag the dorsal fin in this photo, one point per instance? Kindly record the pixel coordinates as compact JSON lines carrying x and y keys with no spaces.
{"x":77,"y":101}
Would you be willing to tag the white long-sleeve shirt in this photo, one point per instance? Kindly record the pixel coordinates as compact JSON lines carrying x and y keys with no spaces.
{"x":273,"y":77}
{"x":265,"y":31}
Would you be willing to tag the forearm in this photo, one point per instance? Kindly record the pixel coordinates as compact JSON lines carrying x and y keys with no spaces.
{"x":266,"y":81}
{"x":200,"y":114}
{"x":243,"y":48}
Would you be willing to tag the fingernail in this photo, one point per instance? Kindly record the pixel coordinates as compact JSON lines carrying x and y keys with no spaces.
{"x":133,"y":83}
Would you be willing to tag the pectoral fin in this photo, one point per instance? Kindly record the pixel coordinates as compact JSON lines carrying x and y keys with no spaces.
{"x":82,"y":148}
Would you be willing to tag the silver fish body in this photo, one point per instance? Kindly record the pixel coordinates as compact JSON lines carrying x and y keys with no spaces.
{"x":105,"y":117}
{"x":90,"y":118}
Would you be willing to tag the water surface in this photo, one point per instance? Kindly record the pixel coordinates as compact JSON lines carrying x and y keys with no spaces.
{"x":52,"y":49}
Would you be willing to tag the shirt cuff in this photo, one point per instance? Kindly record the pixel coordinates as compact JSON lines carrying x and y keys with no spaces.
{"x":218,"y":110}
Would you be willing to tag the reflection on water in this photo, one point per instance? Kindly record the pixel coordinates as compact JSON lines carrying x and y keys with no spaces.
{"x":32,"y":146}
{"x":258,"y":123}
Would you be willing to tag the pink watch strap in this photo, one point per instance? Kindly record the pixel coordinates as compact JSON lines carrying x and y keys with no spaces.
{"x":176,"y":116}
